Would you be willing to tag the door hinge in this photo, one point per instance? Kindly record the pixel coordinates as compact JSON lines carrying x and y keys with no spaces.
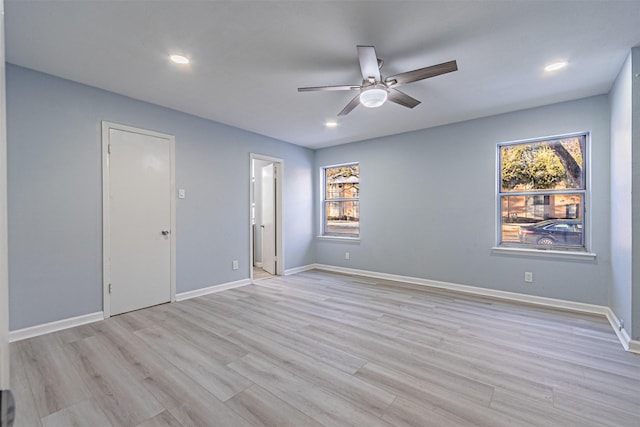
{"x":108,"y":148}
{"x":275,"y":258}
{"x":110,"y":288}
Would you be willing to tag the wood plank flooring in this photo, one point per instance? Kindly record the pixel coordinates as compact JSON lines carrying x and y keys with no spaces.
{"x":322,"y":349}
{"x":259,"y":273}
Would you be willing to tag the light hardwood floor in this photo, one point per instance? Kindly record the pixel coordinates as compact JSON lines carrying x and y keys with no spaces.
{"x":322,"y":349}
{"x":259,"y":273}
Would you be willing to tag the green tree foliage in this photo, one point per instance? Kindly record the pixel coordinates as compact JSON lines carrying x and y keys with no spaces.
{"x":541,"y":166}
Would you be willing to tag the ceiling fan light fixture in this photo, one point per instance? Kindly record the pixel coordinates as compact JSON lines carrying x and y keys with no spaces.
{"x":373,"y":96}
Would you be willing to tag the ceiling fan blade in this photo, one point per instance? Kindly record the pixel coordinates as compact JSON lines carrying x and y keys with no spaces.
{"x":402,"y":98}
{"x":368,"y":62}
{"x":421,"y":73}
{"x":327,"y":88}
{"x":350,"y":106}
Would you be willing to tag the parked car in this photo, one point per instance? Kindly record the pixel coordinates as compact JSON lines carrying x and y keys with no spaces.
{"x":563,"y":232}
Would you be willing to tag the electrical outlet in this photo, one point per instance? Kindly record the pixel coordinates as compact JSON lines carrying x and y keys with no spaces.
{"x":234,"y":264}
{"x":347,"y":255}
{"x":528,"y":276}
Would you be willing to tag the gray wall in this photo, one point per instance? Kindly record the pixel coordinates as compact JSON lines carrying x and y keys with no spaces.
{"x":428,"y":204}
{"x":621,"y":196}
{"x":635,"y":135}
{"x":55,"y":195}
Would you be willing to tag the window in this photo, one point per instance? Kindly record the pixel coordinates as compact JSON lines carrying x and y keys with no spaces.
{"x":341,"y":201}
{"x":542,"y":192}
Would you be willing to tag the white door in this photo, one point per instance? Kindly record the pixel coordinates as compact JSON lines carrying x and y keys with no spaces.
{"x":140,"y":179}
{"x":269,"y":218}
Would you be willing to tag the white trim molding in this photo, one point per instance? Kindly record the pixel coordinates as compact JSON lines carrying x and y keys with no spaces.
{"x":511,"y":296}
{"x":339,"y":239}
{"x":58,"y":325}
{"x":296,"y":270}
{"x":529,"y":252}
{"x":4,"y":257}
{"x":628,"y":344}
{"x":211,"y":289}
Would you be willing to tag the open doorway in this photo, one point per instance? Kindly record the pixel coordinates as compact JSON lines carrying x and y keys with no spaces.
{"x":266,"y":217}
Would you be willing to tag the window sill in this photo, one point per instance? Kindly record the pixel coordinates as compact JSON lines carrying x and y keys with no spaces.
{"x":544,"y":253}
{"x":339,"y":239}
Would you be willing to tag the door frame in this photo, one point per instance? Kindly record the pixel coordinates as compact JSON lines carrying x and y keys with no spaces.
{"x":279,"y":204}
{"x":4,"y":257}
{"x":106,"y":216}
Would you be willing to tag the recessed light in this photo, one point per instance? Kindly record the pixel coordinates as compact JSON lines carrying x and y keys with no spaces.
{"x":179,"y":59}
{"x":555,"y":66}
{"x":331,"y":124}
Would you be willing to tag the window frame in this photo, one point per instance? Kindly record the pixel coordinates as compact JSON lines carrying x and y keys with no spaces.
{"x":323,"y":202}
{"x":517,"y":248}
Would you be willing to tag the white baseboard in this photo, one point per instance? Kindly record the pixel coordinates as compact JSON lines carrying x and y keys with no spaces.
{"x":511,"y":296}
{"x":297,"y":270}
{"x":212,"y":289}
{"x":34,"y":331}
{"x":628,"y":344}
{"x":258,"y":264}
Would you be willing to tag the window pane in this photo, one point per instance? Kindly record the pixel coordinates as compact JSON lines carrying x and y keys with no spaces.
{"x":544,"y":220}
{"x":544,"y":165}
{"x":342,"y":182}
{"x":342,"y":218}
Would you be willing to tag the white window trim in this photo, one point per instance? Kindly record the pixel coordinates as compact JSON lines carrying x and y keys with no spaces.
{"x":339,"y":238}
{"x":513,"y":249}
{"x":539,"y":252}
{"x":321,"y":235}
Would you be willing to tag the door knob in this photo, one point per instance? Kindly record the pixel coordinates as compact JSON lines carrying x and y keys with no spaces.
{"x":165,"y":232}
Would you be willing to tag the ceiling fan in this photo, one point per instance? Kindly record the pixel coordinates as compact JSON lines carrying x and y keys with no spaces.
{"x":374,"y":91}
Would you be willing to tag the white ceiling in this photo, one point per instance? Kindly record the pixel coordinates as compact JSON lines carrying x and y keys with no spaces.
{"x":249,"y":57}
